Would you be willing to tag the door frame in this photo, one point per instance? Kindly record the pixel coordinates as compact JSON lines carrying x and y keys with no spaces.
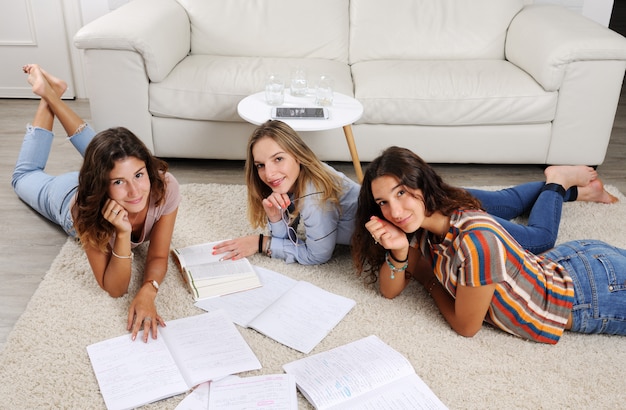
{"x":73,"y":22}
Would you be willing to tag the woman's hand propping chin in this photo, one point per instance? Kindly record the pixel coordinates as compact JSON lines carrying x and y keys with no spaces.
{"x":117,"y":216}
{"x":386,"y":234}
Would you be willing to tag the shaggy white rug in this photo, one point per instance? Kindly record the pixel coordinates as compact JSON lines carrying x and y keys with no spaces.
{"x":45,"y":363}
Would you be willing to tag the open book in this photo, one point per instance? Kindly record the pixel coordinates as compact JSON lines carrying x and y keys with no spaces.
{"x":207,"y":276}
{"x":295,"y":313}
{"x":189,"y":351}
{"x":365,"y":374}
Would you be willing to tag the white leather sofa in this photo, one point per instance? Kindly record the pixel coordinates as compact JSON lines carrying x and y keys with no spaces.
{"x":457,"y":81}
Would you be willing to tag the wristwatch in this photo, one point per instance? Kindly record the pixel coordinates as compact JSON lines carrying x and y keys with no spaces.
{"x":155,"y":284}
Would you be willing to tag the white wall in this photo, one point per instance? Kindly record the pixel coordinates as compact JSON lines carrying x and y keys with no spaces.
{"x":86,"y":12}
{"x":597,"y":10}
{"x":92,"y":9}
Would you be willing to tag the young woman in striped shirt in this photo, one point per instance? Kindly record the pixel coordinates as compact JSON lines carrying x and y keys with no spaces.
{"x":410,"y":224}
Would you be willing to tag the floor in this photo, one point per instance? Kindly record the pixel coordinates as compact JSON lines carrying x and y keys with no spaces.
{"x":30,"y":243}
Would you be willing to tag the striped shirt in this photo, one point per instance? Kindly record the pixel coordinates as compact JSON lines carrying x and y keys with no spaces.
{"x":533,"y":296}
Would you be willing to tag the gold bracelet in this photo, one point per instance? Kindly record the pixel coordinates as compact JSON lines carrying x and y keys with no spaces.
{"x":123,"y":257}
{"x":154,"y":284}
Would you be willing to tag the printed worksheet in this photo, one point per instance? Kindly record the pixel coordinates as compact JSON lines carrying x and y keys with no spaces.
{"x":188,"y":351}
{"x":271,"y":391}
{"x":365,"y":374}
{"x":297,"y":314}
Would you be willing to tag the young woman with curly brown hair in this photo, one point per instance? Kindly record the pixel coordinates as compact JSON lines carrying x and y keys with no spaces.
{"x":122,"y":196}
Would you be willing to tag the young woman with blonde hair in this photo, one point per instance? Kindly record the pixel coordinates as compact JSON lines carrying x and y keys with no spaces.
{"x":287,"y":186}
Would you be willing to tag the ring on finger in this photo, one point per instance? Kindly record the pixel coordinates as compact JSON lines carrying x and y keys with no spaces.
{"x":114,"y":212}
{"x":147,"y":319}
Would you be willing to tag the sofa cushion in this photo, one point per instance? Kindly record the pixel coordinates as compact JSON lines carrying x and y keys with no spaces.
{"x":203,"y":87}
{"x":295,"y":29}
{"x":431,"y":30}
{"x":479,"y":92}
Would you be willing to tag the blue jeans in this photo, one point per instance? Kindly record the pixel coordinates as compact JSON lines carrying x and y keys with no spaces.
{"x":49,"y":195}
{"x":598,"y":271}
{"x":542,"y":207}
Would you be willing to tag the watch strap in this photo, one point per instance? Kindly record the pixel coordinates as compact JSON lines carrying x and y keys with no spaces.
{"x":154,"y":284}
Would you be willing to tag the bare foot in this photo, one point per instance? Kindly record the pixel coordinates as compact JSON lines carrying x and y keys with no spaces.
{"x":595,"y":192}
{"x":37,"y":80}
{"x":59,"y":86}
{"x":570,"y":175}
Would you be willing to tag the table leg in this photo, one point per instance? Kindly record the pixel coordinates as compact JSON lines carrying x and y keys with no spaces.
{"x":347,"y":130}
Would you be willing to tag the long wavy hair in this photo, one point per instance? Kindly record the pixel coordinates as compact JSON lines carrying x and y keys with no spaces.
{"x":101,"y":155}
{"x":311,"y":170}
{"x":413,"y":173}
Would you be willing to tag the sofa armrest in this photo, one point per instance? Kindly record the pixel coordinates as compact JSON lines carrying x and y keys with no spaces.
{"x":543,"y":39}
{"x":159,"y":30}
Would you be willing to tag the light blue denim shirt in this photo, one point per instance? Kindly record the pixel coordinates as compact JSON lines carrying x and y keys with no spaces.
{"x":325,"y":225}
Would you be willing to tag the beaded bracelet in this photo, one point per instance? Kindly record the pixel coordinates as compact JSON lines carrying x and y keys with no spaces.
{"x":123,"y":257}
{"x":393,"y":268}
{"x":260,"y":243}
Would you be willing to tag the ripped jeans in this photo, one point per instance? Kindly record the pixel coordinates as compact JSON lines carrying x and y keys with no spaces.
{"x":47,"y":194}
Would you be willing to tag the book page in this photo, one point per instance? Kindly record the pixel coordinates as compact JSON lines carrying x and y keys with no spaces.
{"x":410,"y":392}
{"x":274,"y":391}
{"x":243,"y":307}
{"x":207,"y":347}
{"x":197,"y":254}
{"x":133,"y":373}
{"x":198,"y":399}
{"x":238,"y":284}
{"x":303,"y":316}
{"x":333,"y":377}
{"x":219,"y":271}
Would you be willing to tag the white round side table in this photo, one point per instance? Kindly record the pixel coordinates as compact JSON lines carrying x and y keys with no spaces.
{"x":343,"y":112}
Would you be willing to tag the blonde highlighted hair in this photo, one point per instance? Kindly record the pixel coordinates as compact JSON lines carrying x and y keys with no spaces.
{"x":311,"y":170}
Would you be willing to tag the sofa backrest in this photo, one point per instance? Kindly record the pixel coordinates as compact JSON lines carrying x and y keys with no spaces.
{"x":429,"y":29}
{"x":270,"y":28}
